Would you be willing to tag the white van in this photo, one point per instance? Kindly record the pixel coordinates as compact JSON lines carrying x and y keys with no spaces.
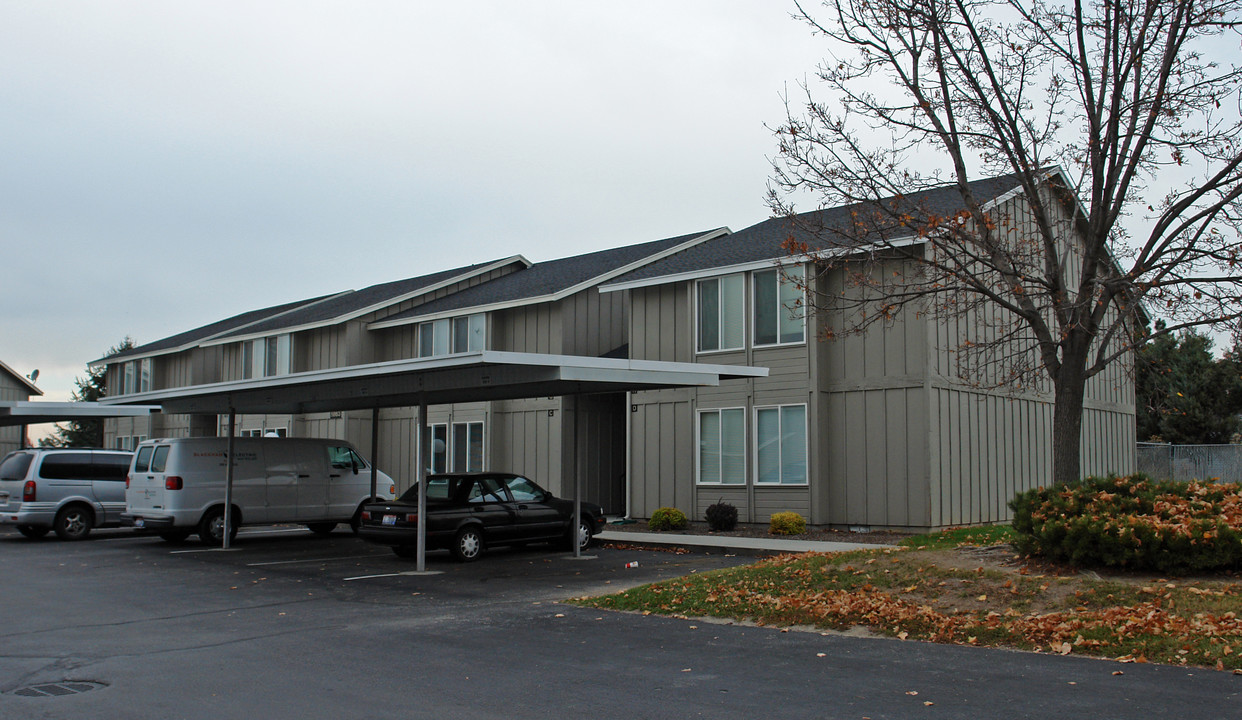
{"x":176,"y":486}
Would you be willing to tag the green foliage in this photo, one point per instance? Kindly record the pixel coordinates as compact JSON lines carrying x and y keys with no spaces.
{"x":786,"y":523}
{"x":721,"y":516}
{"x":1133,"y":522}
{"x":1185,"y":396}
{"x":982,"y":536}
{"x":90,"y":388}
{"x":668,"y":518}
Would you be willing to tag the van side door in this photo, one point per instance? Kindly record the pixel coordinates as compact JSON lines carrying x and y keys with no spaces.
{"x":349,"y":481}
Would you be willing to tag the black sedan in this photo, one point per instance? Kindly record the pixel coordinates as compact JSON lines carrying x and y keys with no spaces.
{"x":468,"y":512}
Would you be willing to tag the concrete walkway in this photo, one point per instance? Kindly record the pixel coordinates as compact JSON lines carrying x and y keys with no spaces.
{"x":741,"y":545}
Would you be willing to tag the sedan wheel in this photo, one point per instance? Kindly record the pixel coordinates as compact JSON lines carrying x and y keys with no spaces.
{"x":468,"y":545}
{"x":585,"y":535}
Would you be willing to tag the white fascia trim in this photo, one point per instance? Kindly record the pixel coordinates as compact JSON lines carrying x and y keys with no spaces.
{"x":21,"y":378}
{"x":551,"y":297}
{"x":370,"y":309}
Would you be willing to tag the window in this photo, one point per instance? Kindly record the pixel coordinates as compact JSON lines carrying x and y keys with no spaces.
{"x":342,"y":457}
{"x":722,"y":447}
{"x":778,"y":307}
{"x":780,"y":445}
{"x":143,"y":463}
{"x":720,"y":313}
{"x":457,"y":335}
{"x":524,"y":490}
{"x":160,"y":460}
{"x":267,"y":357}
{"x":128,"y":385}
{"x":439,"y":448}
{"x":264,"y":432}
{"x":468,"y":447}
{"x":144,"y":375}
{"x":486,"y":490}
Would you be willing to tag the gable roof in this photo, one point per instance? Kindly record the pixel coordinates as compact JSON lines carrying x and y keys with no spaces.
{"x":355,"y":303}
{"x":550,"y":280}
{"x":22,"y":379}
{"x":191,"y":338}
{"x":760,"y":245}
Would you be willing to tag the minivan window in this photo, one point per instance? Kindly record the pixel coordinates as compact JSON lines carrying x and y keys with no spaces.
{"x":160,"y":460}
{"x":67,"y":466}
{"x":15,"y":466}
{"x":110,"y":466}
{"x":143,"y":463}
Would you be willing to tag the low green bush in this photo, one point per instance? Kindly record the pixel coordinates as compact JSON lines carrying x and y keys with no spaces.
{"x":668,"y":518}
{"x":721,"y":516}
{"x":1133,"y":522}
{"x":786,"y":523}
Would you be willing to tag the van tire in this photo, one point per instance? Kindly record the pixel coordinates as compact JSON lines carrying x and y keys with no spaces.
{"x":355,"y":522}
{"x":321,"y":528}
{"x":73,"y":522}
{"x":32,"y":532}
{"x":211,"y":527}
{"x":174,"y":536}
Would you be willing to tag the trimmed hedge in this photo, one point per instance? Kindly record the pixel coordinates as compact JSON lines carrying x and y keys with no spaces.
{"x":668,"y":518}
{"x":1133,"y":522}
{"x":786,"y":523}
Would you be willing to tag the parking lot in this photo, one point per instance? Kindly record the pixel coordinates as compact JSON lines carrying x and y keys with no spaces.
{"x":293,"y":625}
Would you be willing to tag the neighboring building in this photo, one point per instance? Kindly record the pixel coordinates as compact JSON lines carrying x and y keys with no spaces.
{"x":869,"y":431}
{"x":14,"y":386}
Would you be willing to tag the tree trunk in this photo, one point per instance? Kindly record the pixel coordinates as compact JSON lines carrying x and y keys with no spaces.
{"x":1067,"y":426}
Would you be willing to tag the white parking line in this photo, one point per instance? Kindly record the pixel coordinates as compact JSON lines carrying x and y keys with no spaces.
{"x":368,"y":577}
{"x":312,"y":560}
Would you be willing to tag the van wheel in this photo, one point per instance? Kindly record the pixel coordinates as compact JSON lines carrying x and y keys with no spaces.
{"x":321,"y":528}
{"x":174,"y":536}
{"x":211,"y":527}
{"x":73,"y":522}
{"x":355,"y":522}
{"x":32,"y":532}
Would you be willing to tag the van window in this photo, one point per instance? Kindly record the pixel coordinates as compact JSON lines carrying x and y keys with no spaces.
{"x":344,"y":457}
{"x":160,"y":459}
{"x":110,"y":467}
{"x":67,"y":466}
{"x":15,"y":466}
{"x":143,"y":463}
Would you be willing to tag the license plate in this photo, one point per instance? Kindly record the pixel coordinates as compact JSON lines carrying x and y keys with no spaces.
{"x":390,"y":519}
{"x":139,"y":522}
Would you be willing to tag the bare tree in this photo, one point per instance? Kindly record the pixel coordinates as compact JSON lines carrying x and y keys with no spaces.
{"x":1119,"y":120}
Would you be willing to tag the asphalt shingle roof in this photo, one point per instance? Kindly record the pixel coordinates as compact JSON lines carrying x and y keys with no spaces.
{"x":546,"y":278}
{"x":763,"y":241}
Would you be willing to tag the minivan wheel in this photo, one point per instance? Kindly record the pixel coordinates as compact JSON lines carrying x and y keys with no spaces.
{"x":174,"y":536}
{"x":32,"y":532}
{"x":211,"y":527}
{"x":468,"y":545}
{"x":73,"y":522}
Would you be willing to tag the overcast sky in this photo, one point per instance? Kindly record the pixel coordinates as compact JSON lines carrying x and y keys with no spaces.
{"x":165,"y":165}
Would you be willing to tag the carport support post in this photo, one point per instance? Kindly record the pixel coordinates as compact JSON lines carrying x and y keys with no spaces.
{"x":228,"y":478}
{"x":424,"y":457}
{"x":577,"y":482}
{"x":374,"y":449}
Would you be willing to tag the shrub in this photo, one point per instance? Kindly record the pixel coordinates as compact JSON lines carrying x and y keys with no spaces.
{"x":721,"y":516}
{"x":1133,"y":522}
{"x":786,"y":523}
{"x":667,"y":518}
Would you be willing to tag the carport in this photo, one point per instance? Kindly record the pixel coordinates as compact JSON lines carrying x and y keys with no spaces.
{"x":36,"y":412}
{"x":466,"y":377}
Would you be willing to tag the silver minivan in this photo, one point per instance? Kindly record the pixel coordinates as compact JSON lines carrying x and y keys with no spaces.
{"x":69,"y":490}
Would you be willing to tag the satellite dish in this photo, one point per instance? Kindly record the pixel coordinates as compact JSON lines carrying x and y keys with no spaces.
{"x":34,"y":375}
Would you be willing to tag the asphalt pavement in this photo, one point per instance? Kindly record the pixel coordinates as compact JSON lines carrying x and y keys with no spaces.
{"x":291,"y":625}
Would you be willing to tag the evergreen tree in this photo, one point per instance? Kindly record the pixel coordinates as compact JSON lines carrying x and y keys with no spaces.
{"x":1185,"y":396}
{"x":90,"y":388}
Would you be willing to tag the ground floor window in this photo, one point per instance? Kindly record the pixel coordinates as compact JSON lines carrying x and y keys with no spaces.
{"x":468,"y":447}
{"x":439,"y":448}
{"x":722,"y":447}
{"x":780,"y":445}
{"x":261,"y":432}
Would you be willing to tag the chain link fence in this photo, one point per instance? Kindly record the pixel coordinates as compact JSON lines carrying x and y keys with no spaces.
{"x":1191,"y":462}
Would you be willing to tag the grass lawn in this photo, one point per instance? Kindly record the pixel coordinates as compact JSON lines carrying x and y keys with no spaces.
{"x":967,"y":587}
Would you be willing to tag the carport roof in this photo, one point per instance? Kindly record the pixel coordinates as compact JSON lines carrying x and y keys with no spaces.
{"x":30,"y":412}
{"x":466,"y":377}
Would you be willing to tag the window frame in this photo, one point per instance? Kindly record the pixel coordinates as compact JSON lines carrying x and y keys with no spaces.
{"x":780,"y":437}
{"x":781,"y":309}
{"x":721,"y":307}
{"x":482,"y":436}
{"x":698,"y":455}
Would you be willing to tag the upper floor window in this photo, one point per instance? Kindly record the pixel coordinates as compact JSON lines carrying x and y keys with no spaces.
{"x":446,"y":336}
{"x":136,"y":376}
{"x":778,"y":310}
{"x":267,"y":357}
{"x":721,"y":313}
